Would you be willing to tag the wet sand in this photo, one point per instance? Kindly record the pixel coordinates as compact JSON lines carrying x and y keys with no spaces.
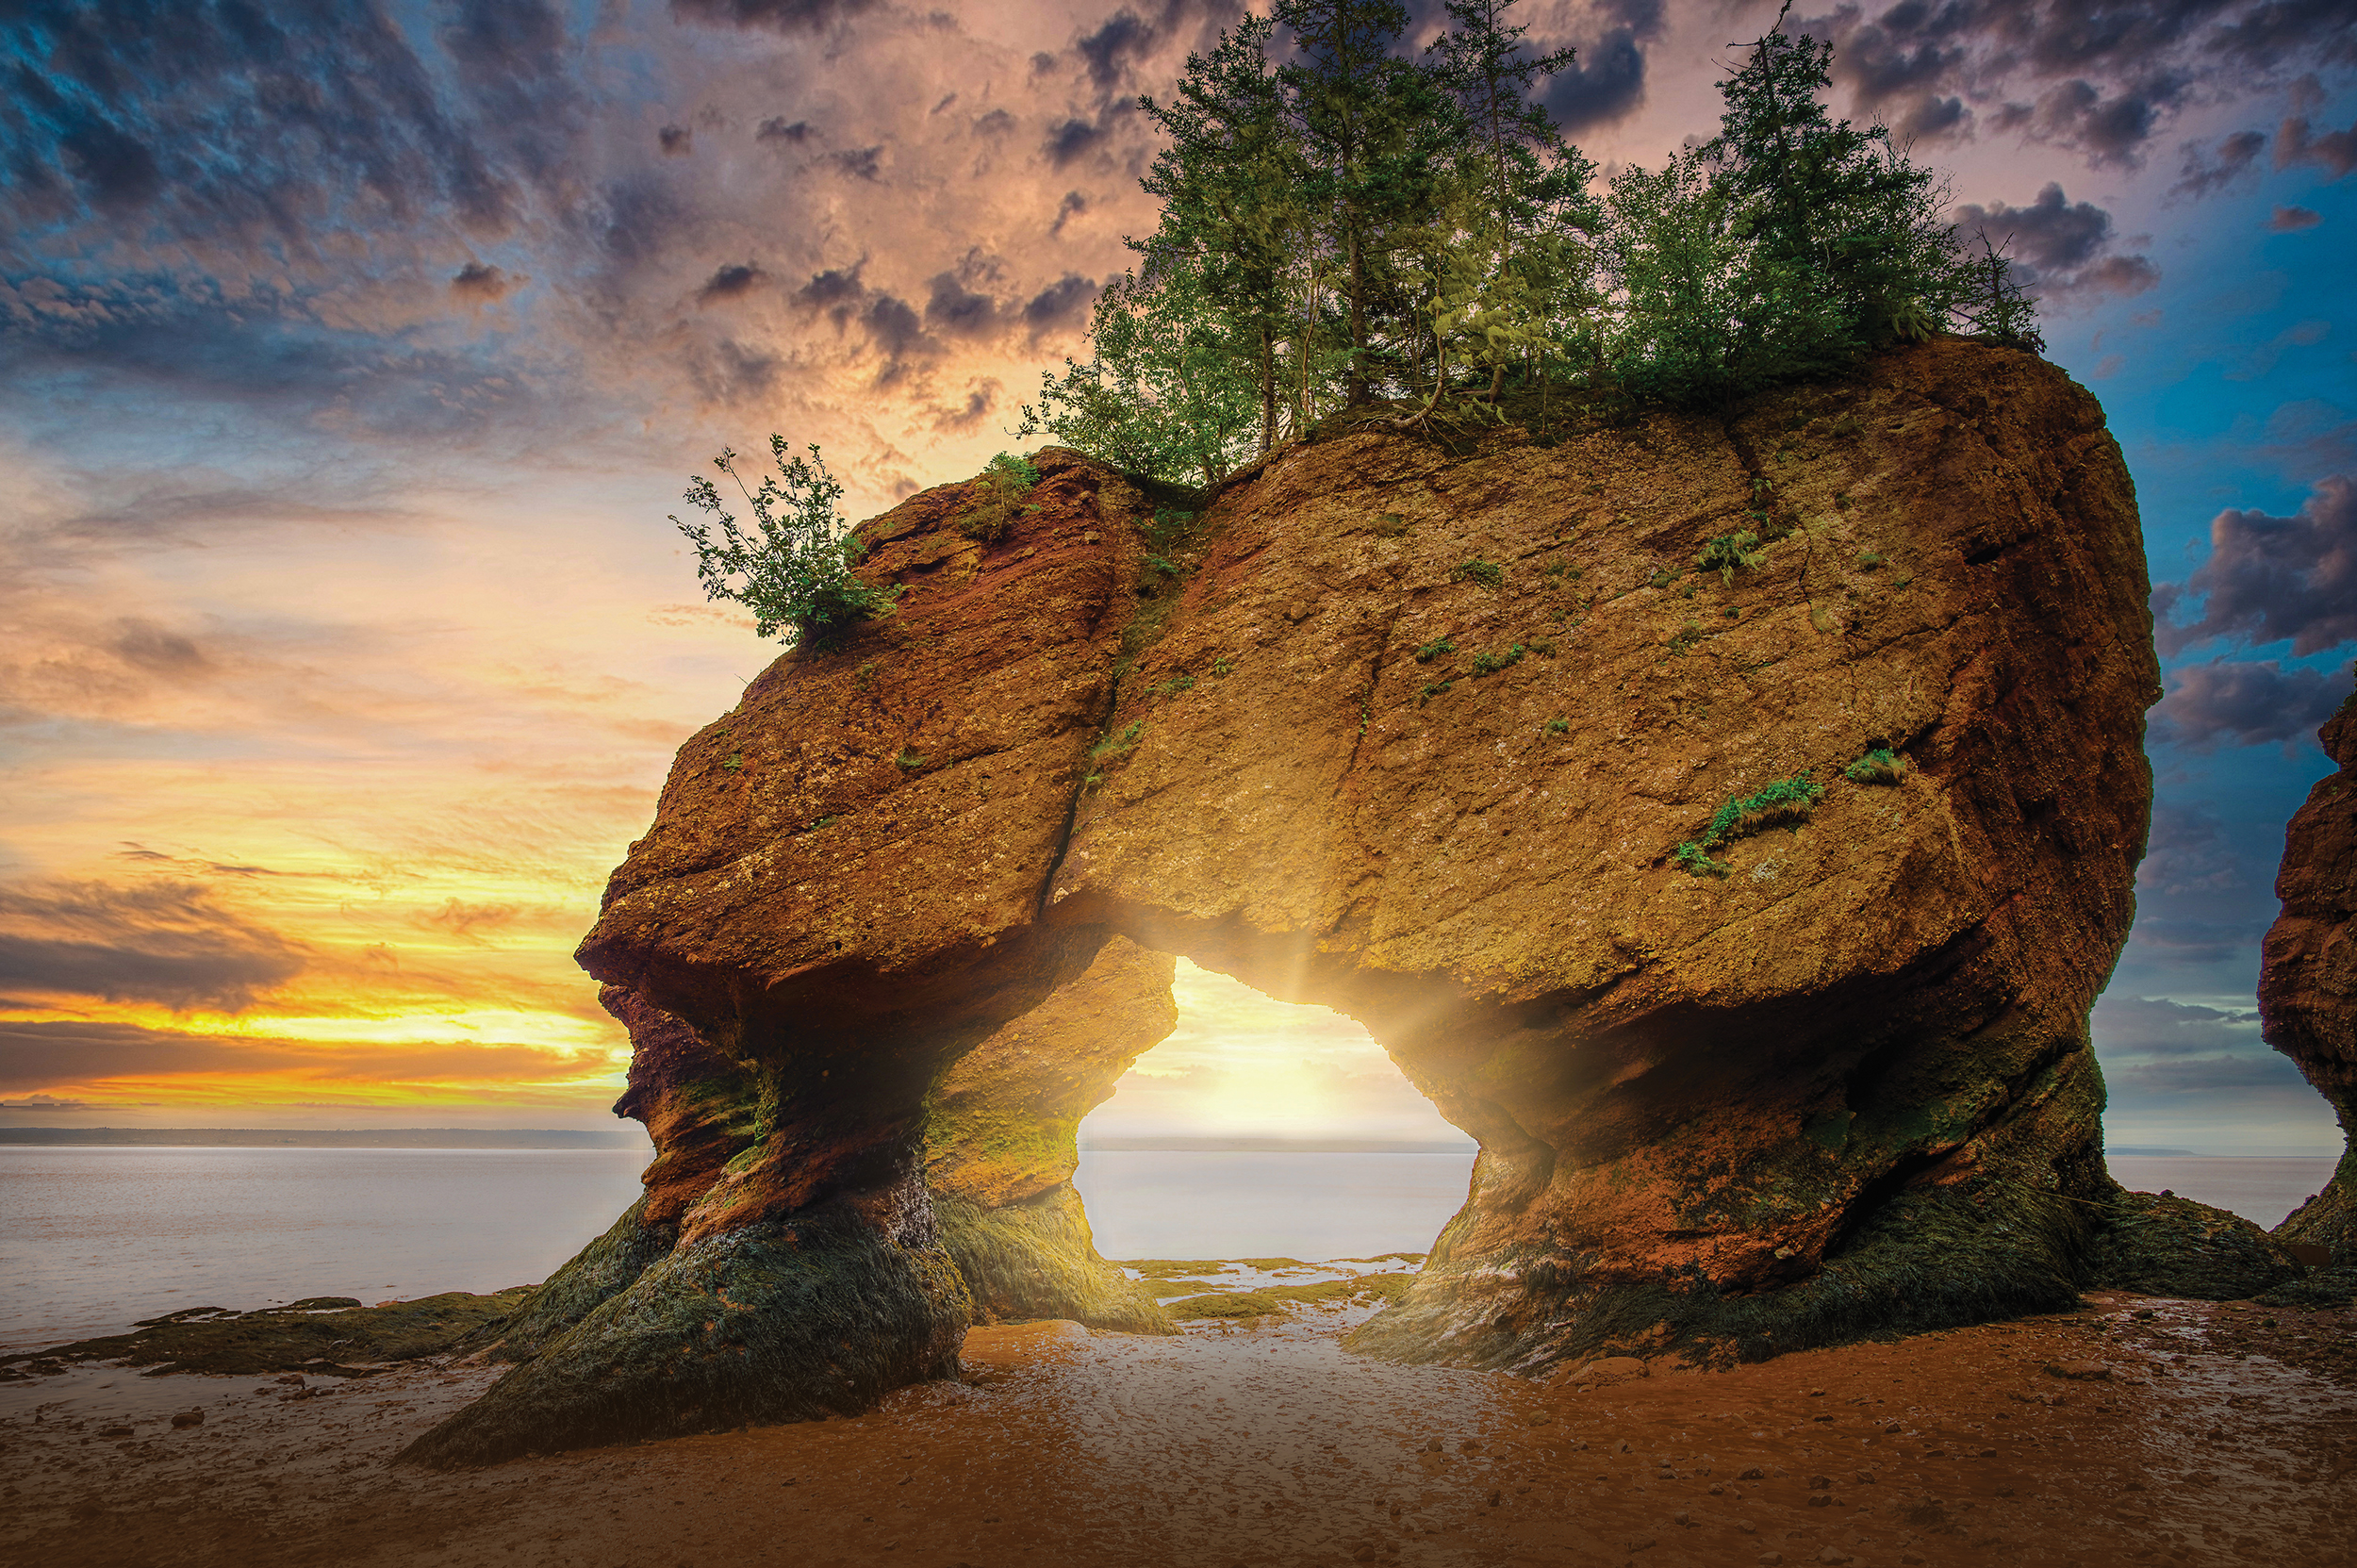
{"x":2221,"y":1434}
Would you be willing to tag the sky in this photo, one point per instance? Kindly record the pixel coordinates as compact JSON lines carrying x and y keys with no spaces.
{"x":351,"y":356}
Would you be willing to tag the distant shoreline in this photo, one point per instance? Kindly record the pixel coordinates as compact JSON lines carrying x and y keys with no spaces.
{"x":1273,"y":1146}
{"x":311,"y":1137}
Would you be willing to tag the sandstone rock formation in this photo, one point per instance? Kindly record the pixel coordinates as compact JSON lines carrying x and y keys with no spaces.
{"x":2307,"y":976}
{"x":1000,"y":1146}
{"x":1748,"y":916}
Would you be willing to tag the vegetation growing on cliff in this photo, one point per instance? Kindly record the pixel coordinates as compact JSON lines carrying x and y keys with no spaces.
{"x":1346,"y":230}
{"x":793,"y":571}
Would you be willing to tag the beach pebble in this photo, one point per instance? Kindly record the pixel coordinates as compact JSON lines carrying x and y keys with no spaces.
{"x":114,"y":1432}
{"x":192,"y":1417}
{"x":1752,"y":1473}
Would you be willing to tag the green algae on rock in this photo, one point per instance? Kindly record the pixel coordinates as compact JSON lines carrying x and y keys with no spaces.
{"x":323,"y":1336}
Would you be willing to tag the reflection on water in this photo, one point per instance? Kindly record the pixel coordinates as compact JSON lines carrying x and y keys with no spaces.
{"x":1155,"y":1203}
{"x":2261,"y":1190}
{"x":95,"y":1238}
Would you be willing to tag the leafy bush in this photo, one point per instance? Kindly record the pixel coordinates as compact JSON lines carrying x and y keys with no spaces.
{"x":794,"y":569}
{"x":1004,"y":483}
{"x":1487,"y":573}
{"x":1728,"y":551}
{"x":1490,"y":664}
{"x":1434,"y":649}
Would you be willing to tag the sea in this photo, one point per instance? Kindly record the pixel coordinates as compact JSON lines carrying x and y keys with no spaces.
{"x":95,"y":1238}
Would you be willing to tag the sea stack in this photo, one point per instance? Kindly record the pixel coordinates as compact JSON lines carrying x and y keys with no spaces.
{"x":2307,"y":976}
{"x":1726,"y":818}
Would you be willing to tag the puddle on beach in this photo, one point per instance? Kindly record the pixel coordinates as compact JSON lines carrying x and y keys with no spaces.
{"x":1244,"y":1446}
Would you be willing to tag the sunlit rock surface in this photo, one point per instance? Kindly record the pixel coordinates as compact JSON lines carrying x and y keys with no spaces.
{"x":1416,"y":734}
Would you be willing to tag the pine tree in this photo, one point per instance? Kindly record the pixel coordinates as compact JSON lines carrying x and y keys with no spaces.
{"x":1374,"y":131}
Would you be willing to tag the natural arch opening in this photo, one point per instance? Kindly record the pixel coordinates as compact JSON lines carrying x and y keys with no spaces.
{"x":1261,"y":1129}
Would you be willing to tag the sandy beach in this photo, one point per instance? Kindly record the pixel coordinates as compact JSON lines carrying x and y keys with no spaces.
{"x":2188,"y":1433}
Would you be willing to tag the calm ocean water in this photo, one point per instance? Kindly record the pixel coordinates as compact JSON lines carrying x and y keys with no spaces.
{"x":93,"y":1238}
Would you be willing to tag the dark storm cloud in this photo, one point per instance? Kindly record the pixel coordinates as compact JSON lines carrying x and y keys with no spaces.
{"x":2058,"y":245}
{"x":2103,"y":77}
{"x":1062,"y":304}
{"x":2291,"y":219}
{"x":2202,"y":173}
{"x":1606,"y":84}
{"x":778,"y":130}
{"x":1073,"y":139}
{"x":732,"y":282}
{"x":777,"y":16}
{"x":2226,"y":703}
{"x":231,"y":124}
{"x":165,"y":942}
{"x":860,"y":163}
{"x":676,"y":140}
{"x":957,"y":312}
{"x":2271,"y":578}
{"x":969,"y":414}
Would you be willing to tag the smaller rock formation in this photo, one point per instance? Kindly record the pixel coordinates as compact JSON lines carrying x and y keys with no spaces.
{"x":2307,"y":976}
{"x":2163,"y":1245}
{"x":1001,"y":1144}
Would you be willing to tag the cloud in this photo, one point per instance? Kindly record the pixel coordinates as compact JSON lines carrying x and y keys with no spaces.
{"x":2334,"y":152}
{"x":2202,"y":173}
{"x":2233,"y":703}
{"x":1060,"y":305}
{"x":778,"y":129}
{"x":732,"y":282}
{"x":92,"y":1053}
{"x":1606,"y":83}
{"x":2291,"y":219}
{"x":2270,"y":578}
{"x":2058,"y":244}
{"x":1071,"y":140}
{"x":776,"y":16}
{"x":957,"y":312}
{"x":860,"y":163}
{"x":2187,"y":853}
{"x":2141,"y":1026}
{"x":676,"y":140}
{"x":164,"y":942}
{"x":478,"y":283}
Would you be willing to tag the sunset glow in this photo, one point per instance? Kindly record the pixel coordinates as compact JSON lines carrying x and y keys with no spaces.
{"x":344,"y":644}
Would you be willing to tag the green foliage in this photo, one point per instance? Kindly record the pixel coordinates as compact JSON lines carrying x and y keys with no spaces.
{"x":1119,"y":745}
{"x":1343,"y":226}
{"x":1783,"y":803}
{"x":1558,"y":726}
{"x":1429,"y":692}
{"x":1728,"y":551}
{"x":1487,"y":573}
{"x":1878,"y":767}
{"x":1434,"y":649}
{"x":1173,"y":686}
{"x":792,"y":568}
{"x":998,"y":502}
{"x":909,"y":760}
{"x":1490,"y":664}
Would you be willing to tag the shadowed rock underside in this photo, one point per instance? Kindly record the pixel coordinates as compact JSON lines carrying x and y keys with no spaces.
{"x":2307,"y":976}
{"x":1418,"y":736}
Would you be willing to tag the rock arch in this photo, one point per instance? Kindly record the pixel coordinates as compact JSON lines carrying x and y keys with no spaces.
{"x":1419,"y":738}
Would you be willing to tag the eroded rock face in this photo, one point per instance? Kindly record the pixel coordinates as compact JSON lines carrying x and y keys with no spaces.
{"x":1000,"y":1146}
{"x":1418,"y":736}
{"x":2308,"y":975}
